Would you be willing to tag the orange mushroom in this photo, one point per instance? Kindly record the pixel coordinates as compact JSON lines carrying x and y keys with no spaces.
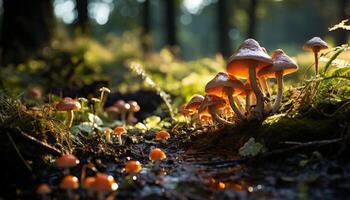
{"x":102,"y":184}
{"x":43,"y":190}
{"x":133,"y":167}
{"x":282,"y":65}
{"x":210,"y":105}
{"x":157,"y":155}
{"x":67,"y":161}
{"x":315,"y":45}
{"x":119,"y":131}
{"x":134,"y":107}
{"x":227,"y":86}
{"x":68,"y":105}
{"x":162,"y":135}
{"x":248,"y":59}
{"x":69,"y":183}
{"x":194,"y":103}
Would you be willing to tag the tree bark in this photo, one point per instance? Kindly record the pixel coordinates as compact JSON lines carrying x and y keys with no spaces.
{"x":252,"y":18}
{"x":27,"y":26}
{"x":223,"y":28}
{"x":82,"y":22}
{"x":170,"y":14}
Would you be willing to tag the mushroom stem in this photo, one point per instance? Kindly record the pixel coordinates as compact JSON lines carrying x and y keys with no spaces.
{"x":316,"y":62}
{"x":217,"y":118}
{"x":264,"y":86}
{"x":278,"y":100}
{"x":108,"y":136}
{"x":120,"y":141}
{"x":70,"y":116}
{"x":130,"y":117}
{"x":239,"y":104}
{"x":233,"y":105}
{"x":123,"y":116}
{"x":247,"y":102}
{"x":257,"y":92}
{"x":103,"y":98}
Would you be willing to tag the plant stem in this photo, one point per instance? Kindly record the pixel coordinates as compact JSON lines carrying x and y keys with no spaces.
{"x":278,"y":100}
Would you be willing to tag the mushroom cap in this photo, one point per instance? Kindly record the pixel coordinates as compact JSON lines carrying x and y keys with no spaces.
{"x":133,"y":167}
{"x":120,"y":104}
{"x":157,"y":155}
{"x":119,"y":130}
{"x":222,"y":80}
{"x":88,"y":181}
{"x":103,"y":183}
{"x":162,"y":135}
{"x":95,"y":100}
{"x":315,"y":44}
{"x":112,"y":109}
{"x":43,"y":189}
{"x":211,"y":100}
{"x":281,"y":62}
{"x":67,"y":161}
{"x":69,"y":183}
{"x":183,"y":111}
{"x":126,"y":107}
{"x":104,"y":89}
{"x":194,"y":102}
{"x":134,"y":106}
{"x":67,"y":104}
{"x":248,"y":54}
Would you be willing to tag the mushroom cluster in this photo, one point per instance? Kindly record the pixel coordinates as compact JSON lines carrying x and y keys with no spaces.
{"x":124,"y":111}
{"x":242,"y":92}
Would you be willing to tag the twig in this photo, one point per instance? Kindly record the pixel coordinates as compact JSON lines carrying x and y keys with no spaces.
{"x":18,"y":152}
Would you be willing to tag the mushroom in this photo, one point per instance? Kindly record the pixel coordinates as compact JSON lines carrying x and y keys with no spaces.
{"x":68,"y":105}
{"x":104,"y":93}
{"x":107,"y":133}
{"x":95,"y":104}
{"x":102,"y":184}
{"x":113,"y":111}
{"x":248,"y":59}
{"x":315,"y":45}
{"x":210,"y":105}
{"x":226,"y":86}
{"x":133,"y":167}
{"x":157,"y":155}
{"x":69,"y":183}
{"x":194,"y":103}
{"x":282,"y":65}
{"x":121,"y":105}
{"x":43,"y":190}
{"x":162,"y":135}
{"x":67,"y":161}
{"x":249,"y":97}
{"x":119,"y":131}
{"x":134,"y":107}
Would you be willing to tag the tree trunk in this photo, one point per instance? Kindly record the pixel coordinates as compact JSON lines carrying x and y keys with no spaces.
{"x":342,"y":35}
{"x":170,"y":10}
{"x":146,"y":26}
{"x":223,"y":28}
{"x":27,"y":26}
{"x":82,"y":22}
{"x":252,"y":18}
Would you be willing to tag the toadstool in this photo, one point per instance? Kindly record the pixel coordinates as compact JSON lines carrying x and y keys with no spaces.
{"x":102,"y":184}
{"x":162,"y":135}
{"x":119,"y":131}
{"x":133,"y":167}
{"x":210,"y":104}
{"x":67,"y":161}
{"x":134,"y":107}
{"x":315,"y":45}
{"x":68,"y":105}
{"x":69,"y":183}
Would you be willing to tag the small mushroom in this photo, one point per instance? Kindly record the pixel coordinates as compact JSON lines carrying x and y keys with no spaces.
{"x":103,"y":184}
{"x":43,"y":190}
{"x":68,"y":105}
{"x":162,"y":135}
{"x":210,"y":104}
{"x":194,"y":103}
{"x":121,"y":105}
{"x":113,"y":111}
{"x":66,"y":162}
{"x":95,"y":104}
{"x":133,"y":167}
{"x":315,"y":45}
{"x":157,"y":155}
{"x":103,"y":97}
{"x":107,"y":133}
{"x":245,"y":63}
{"x":282,"y":65}
{"x":69,"y":183}
{"x":227,"y":86}
{"x":134,"y":107}
{"x":119,"y":131}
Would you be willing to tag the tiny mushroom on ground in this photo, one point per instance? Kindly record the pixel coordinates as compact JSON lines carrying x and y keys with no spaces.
{"x":43,"y":190}
{"x":66,"y":161}
{"x":282,"y":65}
{"x":211,"y":104}
{"x":315,"y":45}
{"x":119,"y":131}
{"x":162,"y":135}
{"x":69,"y":183}
{"x":108,"y":133}
{"x":104,"y":93}
{"x":68,"y":105}
{"x":245,"y":63}
{"x":134,"y":107}
{"x":227,"y":86}
{"x":157,"y":155}
{"x":133,"y":167}
{"x":103,"y":184}
{"x":194,"y":103}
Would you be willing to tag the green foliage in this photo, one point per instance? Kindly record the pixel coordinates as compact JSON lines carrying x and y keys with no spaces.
{"x":251,"y":148}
